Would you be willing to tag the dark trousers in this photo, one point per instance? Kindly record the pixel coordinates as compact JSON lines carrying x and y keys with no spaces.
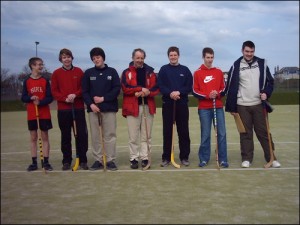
{"x":65,"y":122}
{"x":182,"y":125}
{"x":253,"y":117}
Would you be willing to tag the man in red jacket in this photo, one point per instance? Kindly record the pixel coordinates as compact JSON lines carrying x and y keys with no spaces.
{"x":66,"y":89}
{"x":208,"y":87}
{"x":139,"y":81}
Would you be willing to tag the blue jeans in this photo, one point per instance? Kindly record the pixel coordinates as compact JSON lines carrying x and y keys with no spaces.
{"x":206,"y":117}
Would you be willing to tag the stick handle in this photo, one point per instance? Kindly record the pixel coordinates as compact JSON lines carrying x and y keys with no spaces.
{"x":37,"y":115}
{"x":216,"y":132}
{"x":215,"y":113}
{"x":75,"y":167}
{"x":272,"y":155}
{"x":74,"y":121}
{"x":174,"y":111}
{"x":39,"y":132}
{"x":147,"y":135}
{"x":102,"y":139}
{"x":173,"y":133}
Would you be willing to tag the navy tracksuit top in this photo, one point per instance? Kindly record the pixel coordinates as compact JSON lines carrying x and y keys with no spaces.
{"x":101,"y":82}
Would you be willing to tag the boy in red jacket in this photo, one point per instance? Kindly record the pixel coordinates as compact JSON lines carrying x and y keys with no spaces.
{"x":66,"y":89}
{"x":37,"y":93}
{"x":209,"y":87}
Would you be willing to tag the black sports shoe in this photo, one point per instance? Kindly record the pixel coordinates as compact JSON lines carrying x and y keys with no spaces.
{"x":32,"y":167}
{"x":134,"y":164}
{"x":84,"y":166}
{"x":66,"y":166}
{"x":96,"y":166}
{"x":111,"y":166}
{"x":48,"y":167}
{"x":144,"y":163}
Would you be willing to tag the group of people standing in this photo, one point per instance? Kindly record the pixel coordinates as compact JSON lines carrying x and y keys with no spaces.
{"x":249,"y":84}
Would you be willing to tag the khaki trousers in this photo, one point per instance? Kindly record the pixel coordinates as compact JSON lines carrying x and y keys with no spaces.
{"x":137,"y":134}
{"x":109,"y":137}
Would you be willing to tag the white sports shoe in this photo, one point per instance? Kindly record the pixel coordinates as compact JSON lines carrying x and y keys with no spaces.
{"x":245,"y":164}
{"x":276,"y":164}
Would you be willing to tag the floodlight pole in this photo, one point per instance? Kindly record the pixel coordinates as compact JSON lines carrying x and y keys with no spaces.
{"x":36,"y":44}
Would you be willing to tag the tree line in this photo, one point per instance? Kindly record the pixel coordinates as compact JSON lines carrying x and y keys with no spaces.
{"x":12,"y":84}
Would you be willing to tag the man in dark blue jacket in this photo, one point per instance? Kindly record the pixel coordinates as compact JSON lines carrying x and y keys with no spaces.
{"x":250,"y":84}
{"x":175,"y":83}
{"x":100,"y":89}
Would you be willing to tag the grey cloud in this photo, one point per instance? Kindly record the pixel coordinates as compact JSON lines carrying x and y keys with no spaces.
{"x":121,"y":26}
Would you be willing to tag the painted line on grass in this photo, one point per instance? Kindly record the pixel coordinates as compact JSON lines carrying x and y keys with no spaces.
{"x":155,"y":170}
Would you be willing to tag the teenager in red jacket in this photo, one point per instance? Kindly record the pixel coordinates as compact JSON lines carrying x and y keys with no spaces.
{"x":139,"y":81}
{"x":209,"y":86}
{"x":37,"y":92}
{"x":66,"y":89}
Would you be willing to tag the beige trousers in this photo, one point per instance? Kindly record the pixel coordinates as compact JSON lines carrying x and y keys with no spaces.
{"x":109,"y":137}
{"x":137,"y":134}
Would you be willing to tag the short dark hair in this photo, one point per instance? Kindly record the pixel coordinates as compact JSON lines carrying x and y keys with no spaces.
{"x":33,"y":60}
{"x":138,"y":50}
{"x":249,"y":44}
{"x":173,"y":49}
{"x":96,"y":52}
{"x":66,"y":52}
{"x":207,"y":50}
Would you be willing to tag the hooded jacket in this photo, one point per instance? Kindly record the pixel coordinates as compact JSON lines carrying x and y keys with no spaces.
{"x":266,"y":82}
{"x":206,"y":80}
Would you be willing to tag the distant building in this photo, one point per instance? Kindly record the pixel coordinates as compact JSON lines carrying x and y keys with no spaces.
{"x":286,"y":73}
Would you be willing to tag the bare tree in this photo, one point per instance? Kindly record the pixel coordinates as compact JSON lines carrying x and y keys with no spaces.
{"x":26,"y":70}
{"x":4,"y":74}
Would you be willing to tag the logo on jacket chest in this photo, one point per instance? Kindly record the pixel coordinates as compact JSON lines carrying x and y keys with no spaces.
{"x":36,"y":90}
{"x":208,"y":79}
{"x":109,"y":77}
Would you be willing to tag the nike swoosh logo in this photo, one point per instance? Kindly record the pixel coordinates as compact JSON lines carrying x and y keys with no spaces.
{"x":208,"y":79}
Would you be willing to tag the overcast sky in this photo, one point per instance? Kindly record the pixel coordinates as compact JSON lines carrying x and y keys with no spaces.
{"x":120,"y":26}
